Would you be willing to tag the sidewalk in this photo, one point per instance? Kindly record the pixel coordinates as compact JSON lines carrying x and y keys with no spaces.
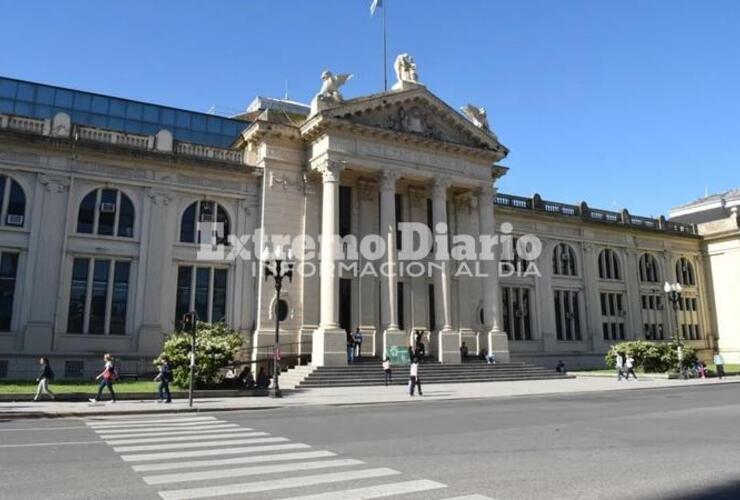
{"x":348,"y":396}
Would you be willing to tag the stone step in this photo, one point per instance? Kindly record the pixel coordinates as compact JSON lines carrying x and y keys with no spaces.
{"x":425,"y":380}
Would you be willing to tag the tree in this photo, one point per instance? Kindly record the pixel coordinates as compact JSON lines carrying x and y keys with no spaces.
{"x":652,"y":357}
{"x":215,"y":348}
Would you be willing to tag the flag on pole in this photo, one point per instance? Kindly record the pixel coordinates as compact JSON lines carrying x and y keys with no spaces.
{"x":374,"y":6}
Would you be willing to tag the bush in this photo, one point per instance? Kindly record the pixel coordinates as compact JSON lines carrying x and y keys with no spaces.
{"x":215,"y":348}
{"x":652,"y":357}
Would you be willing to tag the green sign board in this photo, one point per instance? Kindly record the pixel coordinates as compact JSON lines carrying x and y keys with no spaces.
{"x":398,"y":354}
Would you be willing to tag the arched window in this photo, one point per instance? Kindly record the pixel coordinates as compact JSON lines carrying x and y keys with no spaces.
{"x":12,"y":203}
{"x":564,"y":260}
{"x":106,"y":212}
{"x":609,"y":265}
{"x":685,"y":272}
{"x":204,"y":213}
{"x":648,"y":269}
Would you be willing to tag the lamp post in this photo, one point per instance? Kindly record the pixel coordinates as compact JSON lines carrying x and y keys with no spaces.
{"x":190,"y":322}
{"x":673,"y":291}
{"x":279,"y":265}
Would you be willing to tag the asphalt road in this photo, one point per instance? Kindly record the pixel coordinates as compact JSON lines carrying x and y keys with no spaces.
{"x":674,"y":443}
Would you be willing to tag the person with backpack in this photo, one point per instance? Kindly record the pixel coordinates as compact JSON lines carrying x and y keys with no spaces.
{"x":164,"y":377}
{"x":106,"y":378}
{"x":46,"y":375}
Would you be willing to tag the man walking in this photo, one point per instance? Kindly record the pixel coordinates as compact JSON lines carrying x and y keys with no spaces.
{"x":629,"y":366}
{"x":46,"y":375}
{"x":414,"y":380}
{"x":620,"y":366}
{"x":164,"y":377}
{"x":387,"y":370}
{"x":719,"y":364}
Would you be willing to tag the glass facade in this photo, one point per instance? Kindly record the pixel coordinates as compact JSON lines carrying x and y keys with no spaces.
{"x":44,"y":101}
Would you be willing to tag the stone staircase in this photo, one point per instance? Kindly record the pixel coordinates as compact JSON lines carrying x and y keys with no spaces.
{"x":369,"y":372}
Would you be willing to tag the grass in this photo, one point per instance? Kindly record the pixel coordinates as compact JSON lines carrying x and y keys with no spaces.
{"x":729,"y":369}
{"x":72,"y":386}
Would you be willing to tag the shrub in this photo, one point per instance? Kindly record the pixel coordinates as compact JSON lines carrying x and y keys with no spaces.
{"x":215,"y":348}
{"x":652,"y":357}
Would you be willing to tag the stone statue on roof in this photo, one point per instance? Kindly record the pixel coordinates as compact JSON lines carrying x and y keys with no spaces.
{"x":405,"y":67}
{"x":330,"y":87}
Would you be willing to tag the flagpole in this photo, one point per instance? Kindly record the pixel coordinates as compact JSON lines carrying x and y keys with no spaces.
{"x":385,"y":51}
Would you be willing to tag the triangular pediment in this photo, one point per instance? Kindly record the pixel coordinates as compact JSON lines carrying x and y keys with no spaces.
{"x":416,"y":112}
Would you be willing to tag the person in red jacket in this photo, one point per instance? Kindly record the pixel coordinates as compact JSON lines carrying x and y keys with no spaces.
{"x":106,"y":377}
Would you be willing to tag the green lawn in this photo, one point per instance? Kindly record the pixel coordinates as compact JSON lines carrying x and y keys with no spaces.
{"x":70,"y":386}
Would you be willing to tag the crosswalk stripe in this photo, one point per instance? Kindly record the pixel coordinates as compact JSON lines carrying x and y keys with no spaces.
{"x":252,"y":459}
{"x":153,"y":423}
{"x":236,"y":433}
{"x":214,"y":429}
{"x":248,"y":471}
{"x":162,"y":427}
{"x":146,"y":416}
{"x":207,"y":444}
{"x":277,"y":484}
{"x":172,"y":419}
{"x":170,"y":455}
{"x":470,"y":497}
{"x":379,"y":491}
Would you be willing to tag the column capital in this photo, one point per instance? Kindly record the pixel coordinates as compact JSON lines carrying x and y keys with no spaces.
{"x":488,"y":191}
{"x":387,"y":180}
{"x":439,"y":187}
{"x":331,"y":169}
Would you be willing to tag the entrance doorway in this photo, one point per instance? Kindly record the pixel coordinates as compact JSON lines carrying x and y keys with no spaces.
{"x":345,"y":304}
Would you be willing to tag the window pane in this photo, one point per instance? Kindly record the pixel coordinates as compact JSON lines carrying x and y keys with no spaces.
{"x":82,"y":102}
{"x":99,"y":105}
{"x":107,"y":215}
{"x":25,"y":92}
{"x":133,"y":110}
{"x":63,"y":98}
{"x":77,"y":296}
{"x":202,"y":277}
{"x":8,"y":270}
{"x":187,"y":225}
{"x":222,"y":218}
{"x":219,"y":295}
{"x":126,"y":218}
{"x":8,"y":88}
{"x":120,"y":298}
{"x":182,"y":119}
{"x":86,"y":215}
{"x":184,"y":277}
{"x":44,"y":95}
{"x":16,"y":205}
{"x":116,"y":107}
{"x":99,"y":295}
{"x":3,"y":181}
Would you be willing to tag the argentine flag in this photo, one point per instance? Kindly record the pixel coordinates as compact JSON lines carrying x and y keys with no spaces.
{"x":374,"y":6}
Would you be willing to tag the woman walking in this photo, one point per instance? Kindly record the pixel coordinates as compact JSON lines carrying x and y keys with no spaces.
{"x":46,"y":375}
{"x":387,"y":370}
{"x":164,"y":377}
{"x":106,"y":377}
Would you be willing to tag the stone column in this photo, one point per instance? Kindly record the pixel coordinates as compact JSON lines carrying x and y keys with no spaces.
{"x":329,"y":341}
{"x":156,"y":264}
{"x":48,"y":235}
{"x":592,"y":299}
{"x":367,"y":193}
{"x":392,"y":335}
{"x":449,"y":340}
{"x":497,"y":340}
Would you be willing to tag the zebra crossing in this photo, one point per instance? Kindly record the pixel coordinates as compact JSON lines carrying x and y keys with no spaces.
{"x":187,"y":457}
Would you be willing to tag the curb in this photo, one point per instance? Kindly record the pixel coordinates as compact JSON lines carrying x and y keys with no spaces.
{"x":108,"y":413}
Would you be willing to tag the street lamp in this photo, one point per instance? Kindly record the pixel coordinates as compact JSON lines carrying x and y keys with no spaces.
{"x":278,"y":264}
{"x":673,"y":291}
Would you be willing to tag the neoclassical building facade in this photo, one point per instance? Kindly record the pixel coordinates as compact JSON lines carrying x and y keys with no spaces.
{"x":104,"y":204}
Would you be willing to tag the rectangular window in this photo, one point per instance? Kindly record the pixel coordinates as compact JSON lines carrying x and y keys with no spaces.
{"x":567,"y":315}
{"x":688,"y":318}
{"x":516,"y":313}
{"x":98,"y":298}
{"x":8,"y":275}
{"x":345,"y":210}
{"x":613,"y":315}
{"x":203,"y":289}
{"x":652,"y":316}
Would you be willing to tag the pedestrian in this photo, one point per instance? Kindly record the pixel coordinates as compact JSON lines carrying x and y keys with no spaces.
{"x":463,"y":351}
{"x":263,"y":380}
{"x":414,"y":380}
{"x":620,"y":366}
{"x":629,"y":367}
{"x":560,"y":368}
{"x":46,"y":375}
{"x":491,"y":357}
{"x":358,"y":342}
{"x":164,"y":377}
{"x":106,"y":378}
{"x":719,"y":364}
{"x":350,"y":348}
{"x":387,"y":370}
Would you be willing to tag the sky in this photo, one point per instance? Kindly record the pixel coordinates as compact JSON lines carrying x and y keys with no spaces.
{"x":630,"y":104}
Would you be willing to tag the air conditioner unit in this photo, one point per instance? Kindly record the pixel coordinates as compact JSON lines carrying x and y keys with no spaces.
{"x":108,"y":207}
{"x":14,"y":220}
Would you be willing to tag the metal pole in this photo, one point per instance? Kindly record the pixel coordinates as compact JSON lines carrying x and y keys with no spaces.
{"x":385,"y":50}
{"x":192,"y":358}
{"x":276,"y":362}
